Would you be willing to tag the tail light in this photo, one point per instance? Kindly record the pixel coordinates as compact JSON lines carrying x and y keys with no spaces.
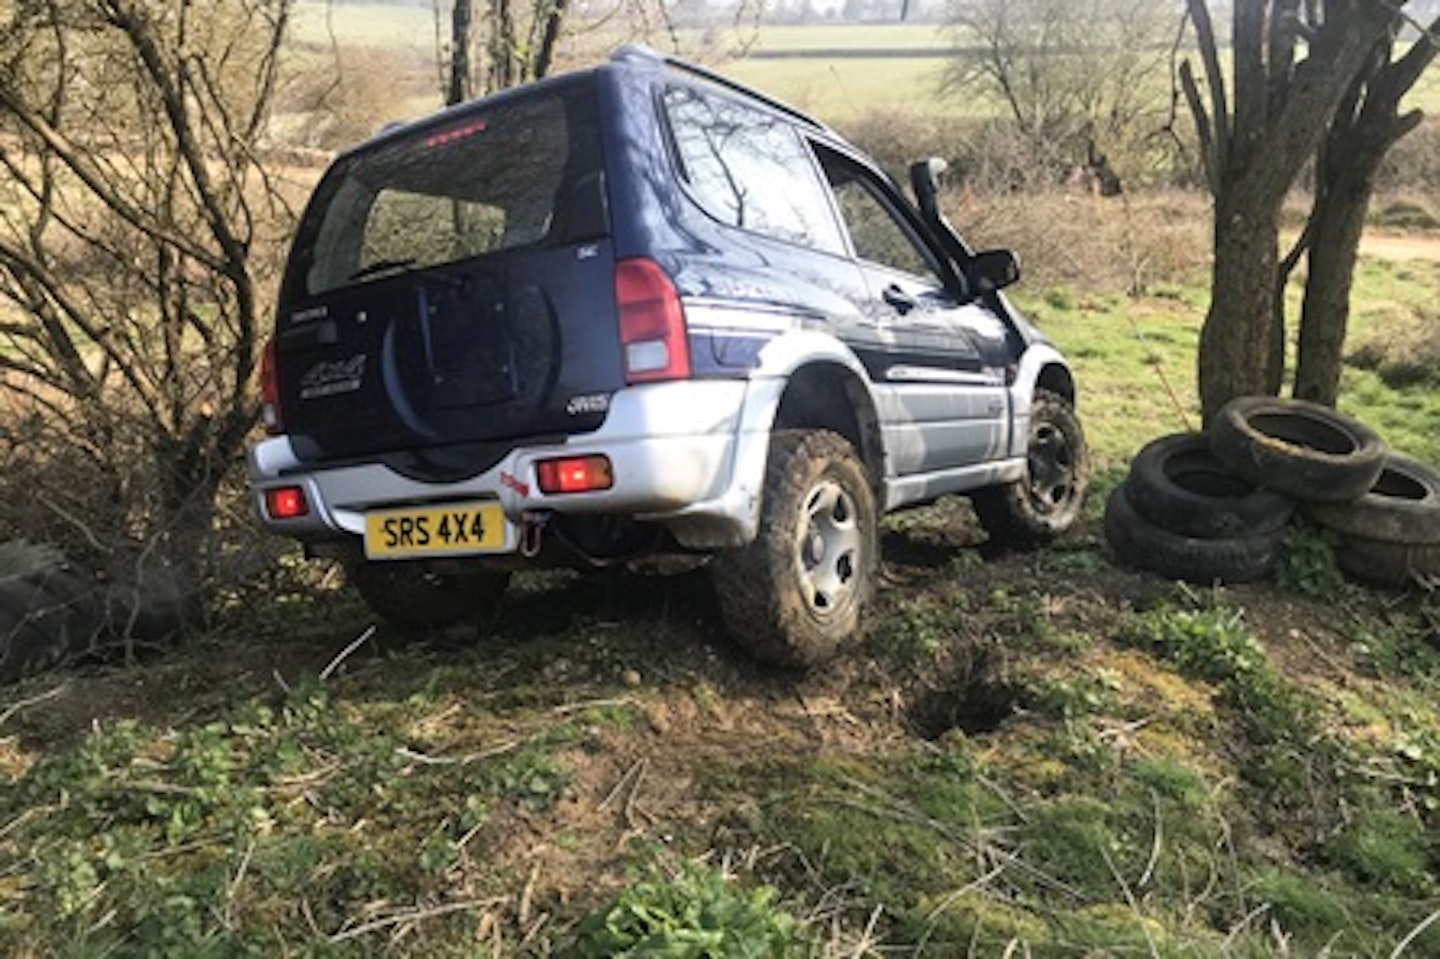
{"x":286,"y":502}
{"x":652,"y":323}
{"x":270,"y":391}
{"x":574,"y":474}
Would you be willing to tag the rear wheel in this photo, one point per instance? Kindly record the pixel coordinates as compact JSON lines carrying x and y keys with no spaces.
{"x":1046,"y":501}
{"x":421,"y":595}
{"x":796,"y":595}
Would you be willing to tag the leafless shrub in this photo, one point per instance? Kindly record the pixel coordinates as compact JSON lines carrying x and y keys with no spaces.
{"x":993,"y":157}
{"x":1406,"y":211}
{"x":139,"y":234}
{"x":1402,"y":347}
{"x":348,"y":93}
{"x":1413,"y":163}
{"x":1122,"y":244}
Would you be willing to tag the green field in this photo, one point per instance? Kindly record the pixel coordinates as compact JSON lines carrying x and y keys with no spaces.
{"x":371,"y":24}
{"x":835,"y":90}
{"x":828,"y":82}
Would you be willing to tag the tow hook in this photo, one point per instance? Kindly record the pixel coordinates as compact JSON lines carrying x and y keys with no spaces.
{"x":532,"y":528}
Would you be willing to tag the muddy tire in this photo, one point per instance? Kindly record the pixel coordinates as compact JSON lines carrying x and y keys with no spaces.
{"x":1305,"y":450}
{"x":796,"y":595}
{"x":1389,"y":564}
{"x":1402,"y":507}
{"x":1138,"y":543}
{"x":1046,"y":501}
{"x":1177,"y":484}
{"x":48,"y":612}
{"x":421,"y":596}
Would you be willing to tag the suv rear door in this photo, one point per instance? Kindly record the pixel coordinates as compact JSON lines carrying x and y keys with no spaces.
{"x":445,"y":278}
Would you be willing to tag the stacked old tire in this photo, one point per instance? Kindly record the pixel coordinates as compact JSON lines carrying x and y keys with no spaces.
{"x":49,"y":611}
{"x":1212,"y":507}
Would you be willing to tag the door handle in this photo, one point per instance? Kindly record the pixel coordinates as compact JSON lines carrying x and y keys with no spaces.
{"x":898,"y":298}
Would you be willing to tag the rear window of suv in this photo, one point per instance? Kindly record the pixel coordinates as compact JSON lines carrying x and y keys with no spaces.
{"x":522,"y":173}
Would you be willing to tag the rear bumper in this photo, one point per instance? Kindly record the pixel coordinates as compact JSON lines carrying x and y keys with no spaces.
{"x":688,"y":455}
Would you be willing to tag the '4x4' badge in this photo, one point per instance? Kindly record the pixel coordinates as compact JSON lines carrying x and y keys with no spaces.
{"x":332,"y":377}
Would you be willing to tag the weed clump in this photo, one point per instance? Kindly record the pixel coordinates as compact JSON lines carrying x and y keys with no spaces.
{"x":697,"y":912}
{"x":1386,"y":850}
{"x":1307,"y":563}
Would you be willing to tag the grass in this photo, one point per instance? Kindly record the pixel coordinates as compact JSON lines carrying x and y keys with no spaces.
{"x":1037,"y":752}
{"x":1040,"y":754}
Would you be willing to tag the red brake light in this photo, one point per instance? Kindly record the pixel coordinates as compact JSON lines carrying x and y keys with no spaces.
{"x":286,"y":502}
{"x":270,"y":391}
{"x":576,"y":474}
{"x":652,"y":323}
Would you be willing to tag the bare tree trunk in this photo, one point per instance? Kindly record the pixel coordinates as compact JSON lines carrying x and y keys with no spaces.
{"x":1237,"y":342}
{"x":461,"y":85}
{"x":1254,"y":144}
{"x":1364,"y":130}
{"x":515,"y":50}
{"x":554,"y":20}
{"x":502,"y":47}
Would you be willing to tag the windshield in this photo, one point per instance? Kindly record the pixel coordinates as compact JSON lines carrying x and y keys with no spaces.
{"x":524,"y":172}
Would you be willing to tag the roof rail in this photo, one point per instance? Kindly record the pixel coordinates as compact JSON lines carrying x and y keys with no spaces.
{"x":640,"y":53}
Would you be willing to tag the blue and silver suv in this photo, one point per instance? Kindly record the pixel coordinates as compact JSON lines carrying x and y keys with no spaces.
{"x":640,"y":310}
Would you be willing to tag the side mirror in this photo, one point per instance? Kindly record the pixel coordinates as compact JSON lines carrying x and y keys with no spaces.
{"x":925,"y":181}
{"x":991,"y":270}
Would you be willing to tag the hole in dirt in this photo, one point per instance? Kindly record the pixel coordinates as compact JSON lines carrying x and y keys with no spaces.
{"x":975,"y":703}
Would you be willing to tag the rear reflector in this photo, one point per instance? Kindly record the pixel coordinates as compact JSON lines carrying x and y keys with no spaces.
{"x":576,"y":474}
{"x":286,"y":502}
{"x":270,"y":391}
{"x":652,"y":323}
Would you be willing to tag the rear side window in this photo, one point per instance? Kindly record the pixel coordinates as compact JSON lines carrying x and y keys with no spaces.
{"x":520,"y":174}
{"x":749,"y":169}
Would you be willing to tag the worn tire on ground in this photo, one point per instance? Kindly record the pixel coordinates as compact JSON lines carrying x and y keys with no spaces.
{"x":1389,"y":564}
{"x":1402,"y":507}
{"x":1138,"y":543}
{"x":1303,"y":449}
{"x":796,"y":595}
{"x":1177,"y":484}
{"x":48,"y":612}
{"x":1047,"y":500}
{"x":421,"y":595}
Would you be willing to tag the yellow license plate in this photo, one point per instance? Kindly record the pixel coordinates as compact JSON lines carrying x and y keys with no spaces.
{"x":458,"y":529}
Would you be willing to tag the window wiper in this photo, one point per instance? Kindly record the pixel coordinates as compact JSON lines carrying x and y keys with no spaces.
{"x":381,"y":266}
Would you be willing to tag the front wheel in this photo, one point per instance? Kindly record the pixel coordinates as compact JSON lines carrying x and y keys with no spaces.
{"x":796,"y":595}
{"x":1046,"y":501}
{"x":418,"y":595}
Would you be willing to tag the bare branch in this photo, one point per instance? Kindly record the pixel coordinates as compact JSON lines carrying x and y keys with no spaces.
{"x":1214,"y":79}
{"x":1209,"y":157}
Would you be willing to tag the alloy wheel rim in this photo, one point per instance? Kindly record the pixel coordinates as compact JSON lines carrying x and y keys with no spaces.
{"x":1052,"y":468}
{"x":828,"y":548}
